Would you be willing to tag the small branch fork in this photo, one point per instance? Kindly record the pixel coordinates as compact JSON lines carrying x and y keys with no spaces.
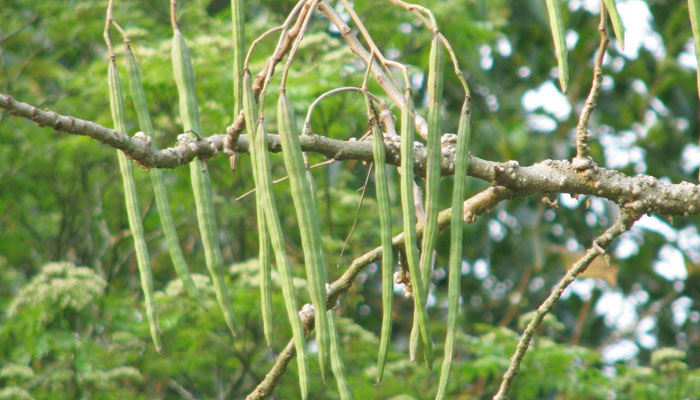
{"x":476,"y":205}
{"x":624,"y":223}
{"x":583,"y":160}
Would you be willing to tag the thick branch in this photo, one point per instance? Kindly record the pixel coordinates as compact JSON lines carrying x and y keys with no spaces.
{"x":642,"y":193}
{"x":623,"y":223}
{"x":476,"y":205}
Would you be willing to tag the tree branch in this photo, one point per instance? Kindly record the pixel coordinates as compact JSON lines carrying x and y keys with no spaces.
{"x":642,"y":193}
{"x":627,"y":218}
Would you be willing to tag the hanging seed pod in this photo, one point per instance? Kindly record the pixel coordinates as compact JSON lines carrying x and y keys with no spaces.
{"x":337,"y":362}
{"x":304,"y":204}
{"x":264,"y":257}
{"x":557,"y":26}
{"x":238,"y":52}
{"x":616,"y":21}
{"x":432,"y":178}
{"x":132,"y":206}
{"x":264,"y":249}
{"x":266,"y":205}
{"x":382,"y":189}
{"x":201,"y":184}
{"x":162,"y":203}
{"x":456,"y":235}
{"x":409,"y":216}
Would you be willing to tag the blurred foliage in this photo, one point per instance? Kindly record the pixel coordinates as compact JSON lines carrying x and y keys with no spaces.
{"x":79,"y":332}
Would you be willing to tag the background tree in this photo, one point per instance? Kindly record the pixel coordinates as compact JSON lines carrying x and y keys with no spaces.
{"x":630,"y":328}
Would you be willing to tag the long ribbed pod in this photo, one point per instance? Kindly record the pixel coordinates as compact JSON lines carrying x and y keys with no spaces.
{"x":456,"y":235}
{"x":337,"y":362}
{"x":409,"y":216}
{"x":132,"y":205}
{"x":261,"y":173}
{"x":382,"y":189}
{"x":432,"y":180}
{"x":201,"y":184}
{"x":557,"y":26}
{"x":162,"y":203}
{"x":304,"y":205}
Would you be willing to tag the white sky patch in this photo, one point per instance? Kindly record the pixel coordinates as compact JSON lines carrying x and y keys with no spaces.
{"x":496,"y":230}
{"x":655,"y":224}
{"x":658,"y":106}
{"x":486,"y":57}
{"x":571,"y":38}
{"x":540,"y":123}
{"x":503,"y":47}
{"x":524,"y":72}
{"x":617,"y":310}
{"x":637,"y":20}
{"x":643,"y":333}
{"x":690,"y":157}
{"x":639,"y":86}
{"x":670,"y":264}
{"x":598,"y":205}
{"x":567,"y":201}
{"x":686,"y":58}
{"x":549,"y":98}
{"x":620,"y":150}
{"x":680,"y":308}
{"x":481,"y":268}
{"x":417,"y":80}
{"x":582,"y":287}
{"x":592,"y":6}
{"x":619,"y":351}
{"x":626,"y":248}
{"x":466,"y":268}
{"x":608,"y":83}
{"x":689,"y":242}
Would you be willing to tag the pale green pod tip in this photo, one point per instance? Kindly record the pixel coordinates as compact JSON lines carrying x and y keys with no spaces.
{"x":557,"y":26}
{"x":611,"y":6}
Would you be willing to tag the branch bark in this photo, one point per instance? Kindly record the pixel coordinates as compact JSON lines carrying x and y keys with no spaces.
{"x":641,"y":193}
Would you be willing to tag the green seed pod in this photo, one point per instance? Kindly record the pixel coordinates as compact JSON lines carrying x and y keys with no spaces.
{"x":456,"y":235}
{"x":616,"y":21}
{"x":162,"y":203}
{"x":132,"y":206}
{"x":409,"y":217}
{"x":305,"y":207}
{"x":557,"y":26}
{"x":337,"y":362}
{"x":201,"y":184}
{"x":266,"y":205}
{"x":263,"y":235}
{"x":382,"y":189}
{"x":432,"y":178}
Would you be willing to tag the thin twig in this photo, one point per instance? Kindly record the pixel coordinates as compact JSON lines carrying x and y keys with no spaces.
{"x":180,"y":389}
{"x":623,"y":223}
{"x":295,"y":46}
{"x":582,"y":149}
{"x":370,"y":43}
{"x":284,"y":178}
{"x":357,"y":213}
{"x":286,"y":38}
